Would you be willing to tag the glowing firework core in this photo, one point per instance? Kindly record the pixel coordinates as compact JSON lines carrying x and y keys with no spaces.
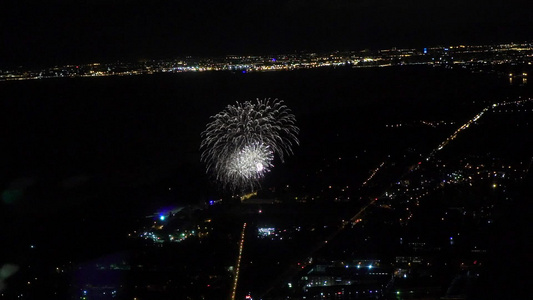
{"x":249,"y":164}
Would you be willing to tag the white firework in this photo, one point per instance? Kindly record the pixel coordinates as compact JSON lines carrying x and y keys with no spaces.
{"x":246,"y":167}
{"x":238,"y":146}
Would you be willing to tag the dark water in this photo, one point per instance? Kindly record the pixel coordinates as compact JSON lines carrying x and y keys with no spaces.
{"x":130,"y":123}
{"x":105,"y":150}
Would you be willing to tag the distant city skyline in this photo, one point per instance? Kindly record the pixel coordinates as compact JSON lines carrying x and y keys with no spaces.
{"x":474,"y":57}
{"x":59,"y":33}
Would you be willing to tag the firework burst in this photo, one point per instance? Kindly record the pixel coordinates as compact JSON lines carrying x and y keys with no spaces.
{"x":239,"y":145}
{"x":246,"y":167}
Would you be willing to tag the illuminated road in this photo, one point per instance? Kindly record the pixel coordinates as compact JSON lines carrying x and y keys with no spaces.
{"x":296,"y":267}
{"x":472,"y":121}
{"x":374,"y":172}
{"x":238,"y":265}
{"x":456,"y":133}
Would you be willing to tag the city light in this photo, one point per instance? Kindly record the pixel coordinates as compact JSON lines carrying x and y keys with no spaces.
{"x":306,"y":237}
{"x":438,"y":56}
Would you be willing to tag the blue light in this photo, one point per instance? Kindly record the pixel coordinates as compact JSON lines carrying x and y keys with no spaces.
{"x":243,"y":71}
{"x":162,"y":218}
{"x":273,"y":59}
{"x":425,"y":50}
{"x":369,"y":266}
{"x":211,"y":202}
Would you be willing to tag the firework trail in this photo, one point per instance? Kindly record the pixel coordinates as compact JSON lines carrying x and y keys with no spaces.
{"x":239,"y":145}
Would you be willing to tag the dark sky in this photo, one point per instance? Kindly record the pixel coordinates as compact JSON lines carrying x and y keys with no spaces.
{"x":75,"y":31}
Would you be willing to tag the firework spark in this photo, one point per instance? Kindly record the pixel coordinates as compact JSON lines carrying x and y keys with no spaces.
{"x":246,"y":167}
{"x":239,"y":145}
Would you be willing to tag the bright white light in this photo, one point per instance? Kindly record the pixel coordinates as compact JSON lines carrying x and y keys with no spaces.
{"x":249,"y":164}
{"x":238,"y":146}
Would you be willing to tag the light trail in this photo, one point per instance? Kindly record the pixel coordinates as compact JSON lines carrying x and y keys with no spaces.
{"x":238,"y":265}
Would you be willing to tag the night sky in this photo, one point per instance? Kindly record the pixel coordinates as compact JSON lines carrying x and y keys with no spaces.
{"x":58,"y":32}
